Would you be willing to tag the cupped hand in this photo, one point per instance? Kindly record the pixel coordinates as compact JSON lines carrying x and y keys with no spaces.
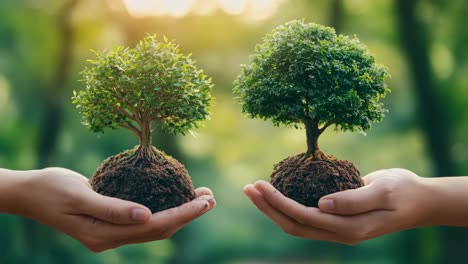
{"x":64,"y":200}
{"x":391,"y":200}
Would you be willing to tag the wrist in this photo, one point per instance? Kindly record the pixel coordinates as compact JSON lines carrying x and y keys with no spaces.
{"x":427,"y":204}
{"x":12,"y":190}
{"x":448,"y":201}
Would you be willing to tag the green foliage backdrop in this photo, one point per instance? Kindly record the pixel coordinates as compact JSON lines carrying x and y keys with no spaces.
{"x":45,"y":44}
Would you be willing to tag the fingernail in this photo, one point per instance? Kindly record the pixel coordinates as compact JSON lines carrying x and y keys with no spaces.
{"x":259,"y":182}
{"x":327,"y":204}
{"x":212,"y":202}
{"x":139,"y":215}
{"x":247,"y":186}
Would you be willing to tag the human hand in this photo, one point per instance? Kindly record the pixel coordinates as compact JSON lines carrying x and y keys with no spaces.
{"x":391,"y":200}
{"x":64,"y":200}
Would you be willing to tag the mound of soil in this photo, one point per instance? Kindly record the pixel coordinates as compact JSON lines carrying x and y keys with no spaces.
{"x":157,"y":181}
{"x":306,"y":181}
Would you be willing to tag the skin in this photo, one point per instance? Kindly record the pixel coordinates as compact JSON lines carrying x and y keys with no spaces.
{"x":63,"y":200}
{"x":391,"y":200}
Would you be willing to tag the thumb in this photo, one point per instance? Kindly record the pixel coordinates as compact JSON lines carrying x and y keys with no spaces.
{"x":116,"y":211}
{"x":350,"y":202}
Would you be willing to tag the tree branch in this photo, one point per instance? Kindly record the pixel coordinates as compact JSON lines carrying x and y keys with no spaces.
{"x":129,"y":125}
{"x":135,"y":115}
{"x":329,"y":123}
{"x":123,"y":112}
{"x":134,"y":129}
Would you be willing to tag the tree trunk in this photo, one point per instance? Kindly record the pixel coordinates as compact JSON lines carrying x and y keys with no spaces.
{"x":431,"y":110}
{"x":52,"y":118}
{"x":43,"y":243}
{"x":312,"y":134}
{"x":434,"y":122}
{"x":146,"y":145}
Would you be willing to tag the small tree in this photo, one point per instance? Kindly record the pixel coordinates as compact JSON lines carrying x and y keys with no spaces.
{"x":303,"y":73}
{"x":134,"y":88}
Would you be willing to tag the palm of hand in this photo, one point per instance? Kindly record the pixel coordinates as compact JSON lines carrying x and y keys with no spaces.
{"x":388,"y":202}
{"x":64,"y":200}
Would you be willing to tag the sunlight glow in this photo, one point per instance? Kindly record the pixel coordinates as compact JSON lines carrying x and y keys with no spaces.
{"x":233,"y":7}
{"x":261,"y":9}
{"x":178,"y":8}
{"x":205,"y":7}
{"x":249,"y":10}
{"x":141,"y":8}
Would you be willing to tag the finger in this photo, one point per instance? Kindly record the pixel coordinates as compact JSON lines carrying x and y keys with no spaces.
{"x":153,"y":236}
{"x":287,"y":224}
{"x":148,"y":238}
{"x":159,"y":224}
{"x":175,"y":226}
{"x":157,"y":236}
{"x":357,"y":201}
{"x":203,"y":191}
{"x":113,"y":210}
{"x":308,"y":216}
{"x":369,"y":178}
{"x":167,"y":222}
{"x":256,"y":197}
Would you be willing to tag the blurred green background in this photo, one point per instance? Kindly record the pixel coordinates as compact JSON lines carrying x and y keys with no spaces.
{"x":44,"y":45}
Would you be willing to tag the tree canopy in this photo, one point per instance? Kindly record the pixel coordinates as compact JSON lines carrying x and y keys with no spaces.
{"x":131,"y":88}
{"x":306,"y":73}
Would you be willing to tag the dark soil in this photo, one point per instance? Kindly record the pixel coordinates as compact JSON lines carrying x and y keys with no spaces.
{"x":158,"y":181}
{"x":306,"y":181}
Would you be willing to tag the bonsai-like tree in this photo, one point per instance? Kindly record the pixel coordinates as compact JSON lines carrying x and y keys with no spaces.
{"x":303,"y":73}
{"x":136,"y":88}
{"x":151,"y":84}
